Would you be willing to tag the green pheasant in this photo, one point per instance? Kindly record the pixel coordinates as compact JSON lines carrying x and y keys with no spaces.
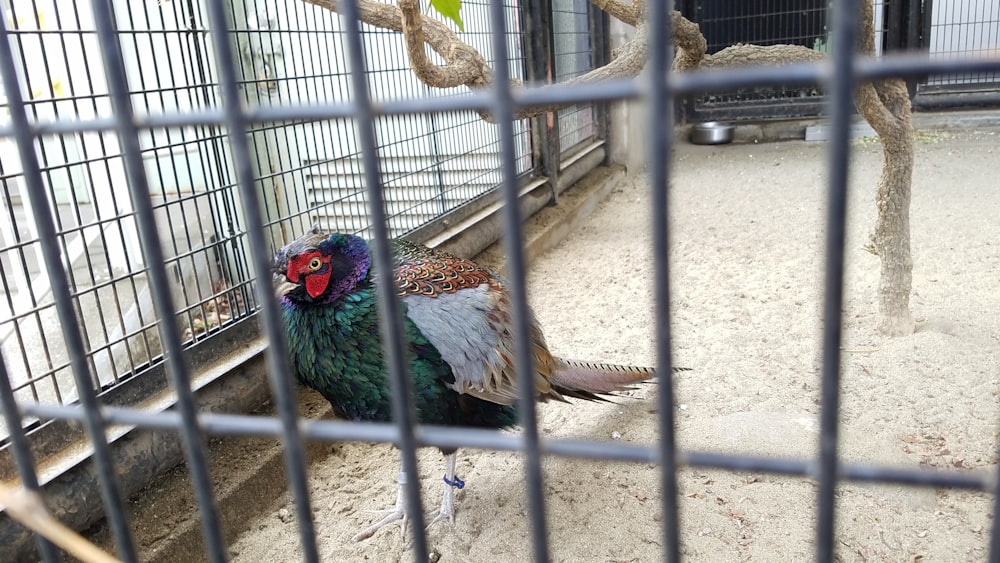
{"x":457,"y":324}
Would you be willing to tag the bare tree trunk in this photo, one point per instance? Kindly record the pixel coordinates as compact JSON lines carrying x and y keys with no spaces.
{"x":891,"y":237}
{"x":886,"y":107}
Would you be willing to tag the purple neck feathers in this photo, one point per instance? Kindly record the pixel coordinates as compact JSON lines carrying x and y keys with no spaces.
{"x":357,"y":261}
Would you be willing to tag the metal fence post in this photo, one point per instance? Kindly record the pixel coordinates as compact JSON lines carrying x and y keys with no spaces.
{"x":659,"y":100}
{"x":538,"y":62}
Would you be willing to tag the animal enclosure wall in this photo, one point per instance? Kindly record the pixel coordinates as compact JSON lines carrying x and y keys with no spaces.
{"x":962,"y":29}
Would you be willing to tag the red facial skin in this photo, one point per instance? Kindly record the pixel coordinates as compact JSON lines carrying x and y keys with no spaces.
{"x":314,"y":267}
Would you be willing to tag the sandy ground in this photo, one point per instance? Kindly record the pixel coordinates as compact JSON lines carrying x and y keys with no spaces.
{"x":746,"y":255}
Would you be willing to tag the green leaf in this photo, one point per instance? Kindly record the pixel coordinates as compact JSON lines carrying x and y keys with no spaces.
{"x":450,"y":9}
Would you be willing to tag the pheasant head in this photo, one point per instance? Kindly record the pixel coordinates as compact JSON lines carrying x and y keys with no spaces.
{"x":320,"y":268}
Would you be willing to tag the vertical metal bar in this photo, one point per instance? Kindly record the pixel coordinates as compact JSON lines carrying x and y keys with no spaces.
{"x":503,"y":113}
{"x":841,"y":108}
{"x":895,"y":25}
{"x":995,"y":529}
{"x":661,"y":115}
{"x":138,"y":184}
{"x":277,"y":360}
{"x":691,"y":9}
{"x":550,"y":123}
{"x":600,"y":56}
{"x":921,"y":16}
{"x":390,"y":323}
{"x":910,"y":38}
{"x":36,"y":196}
{"x":22,"y":453}
{"x":539,"y":59}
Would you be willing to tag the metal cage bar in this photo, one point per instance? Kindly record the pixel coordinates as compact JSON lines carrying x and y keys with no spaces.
{"x":278,"y":365}
{"x":267,"y":427}
{"x":841,"y":104}
{"x":502,"y":106}
{"x":388,"y":306}
{"x":902,"y":66}
{"x":661,"y":111}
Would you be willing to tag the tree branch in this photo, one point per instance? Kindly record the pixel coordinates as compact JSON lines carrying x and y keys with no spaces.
{"x":689,"y":42}
{"x":885,"y":104}
{"x":413,"y":33}
{"x":629,"y":14}
{"x":869,"y":99}
{"x":465,"y":66}
{"x":760,"y":55}
{"x":28,"y":508}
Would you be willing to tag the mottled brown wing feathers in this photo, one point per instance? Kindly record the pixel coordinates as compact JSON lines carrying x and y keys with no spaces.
{"x":441,"y":289}
{"x":420,"y":270}
{"x":436,"y":275}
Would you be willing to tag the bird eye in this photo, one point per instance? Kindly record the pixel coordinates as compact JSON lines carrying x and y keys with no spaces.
{"x":315,"y":264}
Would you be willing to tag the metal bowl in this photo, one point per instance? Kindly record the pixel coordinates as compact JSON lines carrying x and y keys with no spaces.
{"x":712,"y":133}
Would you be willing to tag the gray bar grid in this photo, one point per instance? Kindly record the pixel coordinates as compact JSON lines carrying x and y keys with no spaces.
{"x":839,"y":75}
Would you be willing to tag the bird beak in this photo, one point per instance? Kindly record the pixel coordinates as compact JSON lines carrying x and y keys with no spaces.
{"x":282,"y":286}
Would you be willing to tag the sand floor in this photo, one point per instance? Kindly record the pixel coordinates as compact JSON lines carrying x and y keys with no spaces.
{"x":747,"y":295}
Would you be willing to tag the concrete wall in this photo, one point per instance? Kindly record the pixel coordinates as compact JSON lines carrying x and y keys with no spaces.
{"x":629,"y":122}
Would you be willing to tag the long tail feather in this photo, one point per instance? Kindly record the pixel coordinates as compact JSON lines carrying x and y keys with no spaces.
{"x":588,"y":380}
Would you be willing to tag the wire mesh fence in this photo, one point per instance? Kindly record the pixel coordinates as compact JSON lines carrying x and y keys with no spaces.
{"x":573,"y":26}
{"x":207,"y":154}
{"x":963,"y":29}
{"x":762,"y":23}
{"x":942,"y":29}
{"x":307,"y":171}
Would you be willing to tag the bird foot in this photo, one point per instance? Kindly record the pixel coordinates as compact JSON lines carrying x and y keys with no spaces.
{"x":400,"y":514}
{"x":440,"y":516}
{"x":397,"y":514}
{"x":447,"y":510}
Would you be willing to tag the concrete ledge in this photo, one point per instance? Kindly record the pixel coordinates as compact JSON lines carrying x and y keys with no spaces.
{"x":248,"y":475}
{"x":553,"y":224}
{"x":230,"y":377}
{"x":979,"y":119}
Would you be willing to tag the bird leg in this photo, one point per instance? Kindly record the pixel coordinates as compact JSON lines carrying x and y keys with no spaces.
{"x":451,"y":482}
{"x":399,"y":513}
